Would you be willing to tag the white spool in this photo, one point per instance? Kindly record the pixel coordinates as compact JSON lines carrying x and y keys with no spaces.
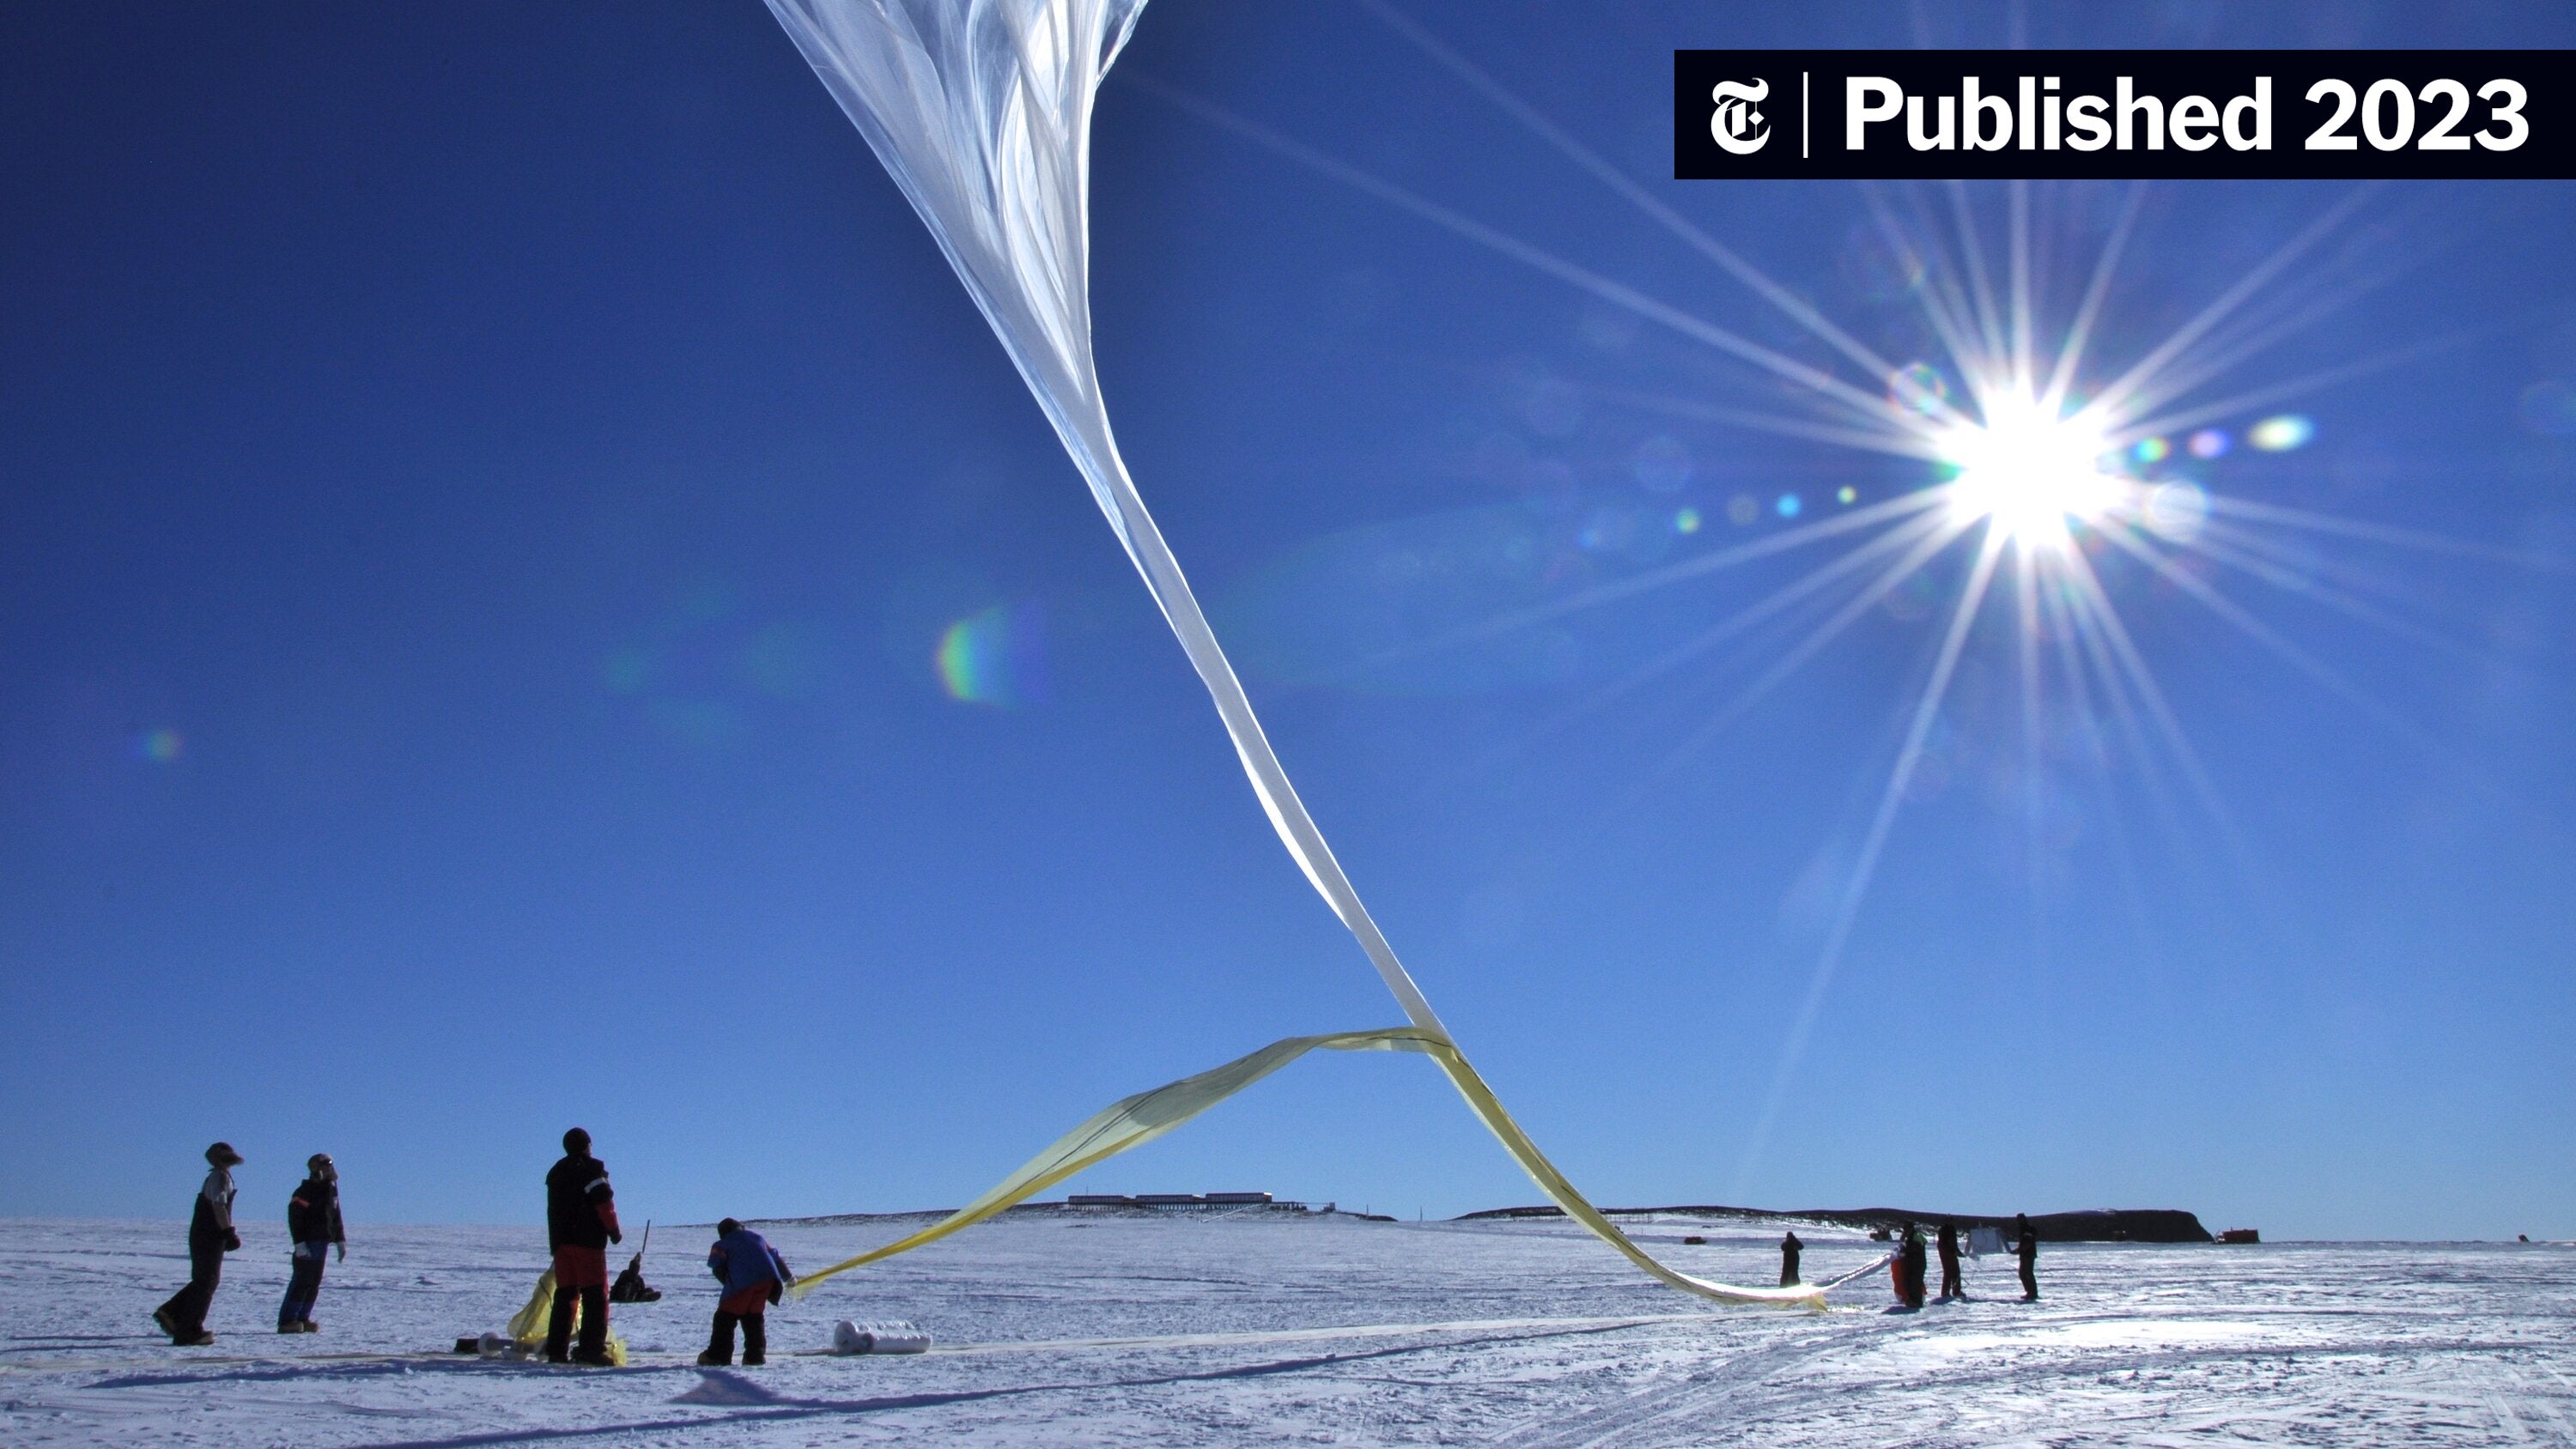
{"x":891,"y":1336}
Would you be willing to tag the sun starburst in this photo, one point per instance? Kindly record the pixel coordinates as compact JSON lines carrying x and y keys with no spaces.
{"x":2030,"y":471}
{"x":2050,"y":466}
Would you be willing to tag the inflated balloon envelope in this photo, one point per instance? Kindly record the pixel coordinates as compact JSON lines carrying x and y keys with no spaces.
{"x":981,"y":110}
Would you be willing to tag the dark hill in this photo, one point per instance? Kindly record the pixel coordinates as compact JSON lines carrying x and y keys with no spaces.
{"x":2095,"y":1225}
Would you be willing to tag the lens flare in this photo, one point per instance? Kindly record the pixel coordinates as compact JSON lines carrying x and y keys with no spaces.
{"x":2177,"y":511}
{"x":1918,"y":388}
{"x":2281,"y":434}
{"x":995,"y":656}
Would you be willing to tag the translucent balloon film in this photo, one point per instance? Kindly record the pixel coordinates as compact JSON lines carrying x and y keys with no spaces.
{"x":981,"y":110}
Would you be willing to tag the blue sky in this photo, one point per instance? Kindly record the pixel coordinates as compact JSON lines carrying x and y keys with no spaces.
{"x":488,"y":487}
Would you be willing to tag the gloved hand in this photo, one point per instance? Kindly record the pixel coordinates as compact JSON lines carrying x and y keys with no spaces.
{"x":344,"y":1251}
{"x":232,"y":1242}
{"x":615,"y":1236}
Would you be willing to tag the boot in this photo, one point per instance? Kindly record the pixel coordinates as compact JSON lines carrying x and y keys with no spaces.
{"x":755,"y":1340}
{"x":719,"y":1352}
{"x":594,"y":1328}
{"x":559,"y":1327}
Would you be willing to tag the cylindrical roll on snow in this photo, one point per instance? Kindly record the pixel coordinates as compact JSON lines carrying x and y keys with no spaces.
{"x":893,"y":1336}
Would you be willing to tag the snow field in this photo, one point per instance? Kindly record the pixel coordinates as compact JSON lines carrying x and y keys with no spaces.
{"x":1265,"y":1328}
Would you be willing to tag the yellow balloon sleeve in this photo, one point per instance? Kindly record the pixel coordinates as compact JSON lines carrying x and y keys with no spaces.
{"x":1133,"y":1121}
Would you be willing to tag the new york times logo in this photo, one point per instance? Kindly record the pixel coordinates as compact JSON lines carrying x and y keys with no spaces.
{"x":1869,"y":114}
{"x":1737,"y":128}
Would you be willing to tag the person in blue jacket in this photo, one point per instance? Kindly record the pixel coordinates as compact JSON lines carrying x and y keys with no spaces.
{"x":313,"y":1224}
{"x":754,"y":1276}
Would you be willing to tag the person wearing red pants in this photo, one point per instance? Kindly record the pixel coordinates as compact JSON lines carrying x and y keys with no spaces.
{"x":581,"y":1221}
{"x":754,"y":1276}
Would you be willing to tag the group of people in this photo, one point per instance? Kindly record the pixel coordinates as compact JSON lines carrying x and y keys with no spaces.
{"x":581,"y":1222}
{"x":1906,"y":1265}
{"x":312,"y":1225}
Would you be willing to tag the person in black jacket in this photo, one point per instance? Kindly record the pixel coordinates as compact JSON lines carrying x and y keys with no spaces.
{"x":2026,"y":1247}
{"x":581,"y":1221}
{"x":313,"y":1224}
{"x":1948,"y":1243}
{"x":1910,"y":1260}
{"x":1790,"y":1247}
{"x":210,"y":1236}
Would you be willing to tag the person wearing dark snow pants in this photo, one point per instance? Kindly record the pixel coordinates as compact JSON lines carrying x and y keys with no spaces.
{"x":210,"y":1236}
{"x":313,"y":1223}
{"x":1790,"y":1247}
{"x":1949,"y":1246}
{"x":2026,"y":1247}
{"x":754,"y":1276}
{"x":581,"y":1221}
{"x":1910,"y":1258}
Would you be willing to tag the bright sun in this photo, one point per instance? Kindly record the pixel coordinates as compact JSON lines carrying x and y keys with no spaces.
{"x":2030,"y":470}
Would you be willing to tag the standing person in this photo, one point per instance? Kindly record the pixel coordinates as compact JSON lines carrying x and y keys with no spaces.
{"x":1949,"y":1245}
{"x":754,"y":1276}
{"x":210,"y":1236}
{"x":1911,"y":1256}
{"x":2026,"y":1247}
{"x":581,"y":1221}
{"x":1790,"y":1248}
{"x":313,"y":1222}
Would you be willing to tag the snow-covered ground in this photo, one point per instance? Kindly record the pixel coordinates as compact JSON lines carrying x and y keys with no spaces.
{"x":1269,"y":1328}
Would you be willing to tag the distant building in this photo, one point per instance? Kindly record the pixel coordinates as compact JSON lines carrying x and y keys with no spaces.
{"x":1175,"y":1199}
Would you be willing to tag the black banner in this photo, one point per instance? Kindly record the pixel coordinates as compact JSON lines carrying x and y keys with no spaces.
{"x":2177,"y":114}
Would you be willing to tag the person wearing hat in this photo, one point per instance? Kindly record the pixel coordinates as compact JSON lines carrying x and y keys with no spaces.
{"x":210,"y":1236}
{"x":1909,"y":1258}
{"x":754,"y":1276}
{"x":313,"y":1223}
{"x":581,"y":1221}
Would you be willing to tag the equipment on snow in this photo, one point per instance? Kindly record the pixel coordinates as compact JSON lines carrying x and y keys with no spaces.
{"x":888,"y":1336}
{"x":630,"y":1286}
